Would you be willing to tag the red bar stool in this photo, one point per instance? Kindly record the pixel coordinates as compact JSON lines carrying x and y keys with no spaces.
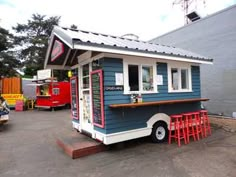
{"x":189,"y":126}
{"x":206,"y":122}
{"x":198,"y":124}
{"x":177,"y":124}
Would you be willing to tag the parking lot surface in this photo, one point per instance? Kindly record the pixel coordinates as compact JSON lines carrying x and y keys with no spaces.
{"x":28,"y":149}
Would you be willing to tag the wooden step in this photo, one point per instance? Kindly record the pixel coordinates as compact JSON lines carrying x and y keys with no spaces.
{"x":78,"y":145}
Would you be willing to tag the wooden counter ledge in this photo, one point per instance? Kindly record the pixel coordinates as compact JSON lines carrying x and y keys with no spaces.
{"x":131,"y":105}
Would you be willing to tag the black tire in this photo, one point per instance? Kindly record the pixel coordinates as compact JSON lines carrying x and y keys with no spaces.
{"x":162,"y":133}
{"x":67,"y":106}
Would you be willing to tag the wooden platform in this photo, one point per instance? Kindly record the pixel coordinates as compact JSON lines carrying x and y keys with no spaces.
{"x":78,"y":145}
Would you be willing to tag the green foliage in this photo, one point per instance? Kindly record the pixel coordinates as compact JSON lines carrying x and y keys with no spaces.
{"x":4,"y":43}
{"x":33,"y":39}
{"x":8,"y":62}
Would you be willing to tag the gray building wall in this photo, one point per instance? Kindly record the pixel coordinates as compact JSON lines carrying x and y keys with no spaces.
{"x":215,"y":37}
{"x":29,"y":91}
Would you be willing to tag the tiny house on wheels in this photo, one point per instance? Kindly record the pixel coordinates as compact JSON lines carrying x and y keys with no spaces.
{"x":124,"y":89}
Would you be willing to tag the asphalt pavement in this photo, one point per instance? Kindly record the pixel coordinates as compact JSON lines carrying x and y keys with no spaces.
{"x":28,"y":149}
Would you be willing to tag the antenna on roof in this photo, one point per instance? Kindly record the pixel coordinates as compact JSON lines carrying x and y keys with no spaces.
{"x":185,"y":4}
{"x":130,"y":36}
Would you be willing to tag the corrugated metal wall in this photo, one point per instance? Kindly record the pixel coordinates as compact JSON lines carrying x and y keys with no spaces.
{"x":215,"y":37}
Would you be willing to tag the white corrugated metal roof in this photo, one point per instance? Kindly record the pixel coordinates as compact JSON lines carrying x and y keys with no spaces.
{"x":80,"y":37}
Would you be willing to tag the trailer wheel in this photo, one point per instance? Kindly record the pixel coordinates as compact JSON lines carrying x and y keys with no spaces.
{"x":67,"y":106}
{"x":159,"y":132}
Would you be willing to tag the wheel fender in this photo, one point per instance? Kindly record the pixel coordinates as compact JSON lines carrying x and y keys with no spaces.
{"x":158,"y":117}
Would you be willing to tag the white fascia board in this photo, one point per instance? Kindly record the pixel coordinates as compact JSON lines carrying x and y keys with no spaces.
{"x":66,"y":59}
{"x":63,"y":40}
{"x":48,"y":50}
{"x":122,"y":136}
{"x":116,"y":51}
{"x":59,"y":67}
{"x":50,"y":46}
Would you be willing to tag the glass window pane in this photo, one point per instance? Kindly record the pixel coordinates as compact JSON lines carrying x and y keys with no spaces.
{"x":55,"y":91}
{"x":86,"y":107}
{"x":147,"y":76}
{"x":184,"y":79}
{"x":86,"y":82}
{"x":175,"y":78}
{"x":85,"y":76}
{"x":133,"y":77}
{"x":44,"y":89}
{"x":86,"y":70}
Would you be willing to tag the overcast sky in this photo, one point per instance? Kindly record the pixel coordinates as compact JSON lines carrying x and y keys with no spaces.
{"x":145,"y":18}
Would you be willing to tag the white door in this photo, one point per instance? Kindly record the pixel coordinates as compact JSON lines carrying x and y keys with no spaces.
{"x":85,"y":99}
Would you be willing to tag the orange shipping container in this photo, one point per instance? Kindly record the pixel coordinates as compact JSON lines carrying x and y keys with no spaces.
{"x":11,"y":85}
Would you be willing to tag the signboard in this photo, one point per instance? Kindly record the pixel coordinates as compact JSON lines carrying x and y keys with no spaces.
{"x":114,"y":88}
{"x":12,"y":98}
{"x":44,"y":74}
{"x":19,"y":105}
{"x":159,"y":80}
{"x":97,"y":98}
{"x":57,"y":50}
{"x":74,"y":97}
{"x":119,"y":79}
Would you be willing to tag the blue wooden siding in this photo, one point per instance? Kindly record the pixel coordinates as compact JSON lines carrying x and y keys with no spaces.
{"x":123,"y":119}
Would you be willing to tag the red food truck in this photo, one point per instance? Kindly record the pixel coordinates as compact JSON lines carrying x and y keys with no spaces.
{"x":51,"y":94}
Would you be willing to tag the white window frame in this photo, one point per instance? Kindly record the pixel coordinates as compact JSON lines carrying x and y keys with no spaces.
{"x":56,"y":92}
{"x":140,"y":63}
{"x":179,"y":66}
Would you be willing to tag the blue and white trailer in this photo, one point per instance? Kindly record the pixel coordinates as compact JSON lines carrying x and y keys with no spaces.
{"x":108,"y":71}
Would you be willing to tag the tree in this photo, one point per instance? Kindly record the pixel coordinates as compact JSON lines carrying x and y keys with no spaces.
{"x":4,"y":42}
{"x":32,"y":38}
{"x":8,"y":62}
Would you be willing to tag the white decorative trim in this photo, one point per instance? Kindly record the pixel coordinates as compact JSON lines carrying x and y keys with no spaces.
{"x":158,"y":117}
{"x":179,"y":66}
{"x":59,"y":67}
{"x":133,"y":53}
{"x":132,"y":134}
{"x":140,"y":63}
{"x":85,"y":56}
{"x":48,"y":50}
{"x":83,"y":125}
{"x":88,"y":60}
{"x":76,"y":126}
{"x":122,"y":136}
{"x":67,"y":57}
{"x":68,"y":44}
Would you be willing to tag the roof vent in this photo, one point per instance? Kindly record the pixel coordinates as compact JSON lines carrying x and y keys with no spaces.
{"x":130,"y":36}
{"x":193,"y":16}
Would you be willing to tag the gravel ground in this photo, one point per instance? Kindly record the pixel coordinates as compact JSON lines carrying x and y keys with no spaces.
{"x":228,"y":124}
